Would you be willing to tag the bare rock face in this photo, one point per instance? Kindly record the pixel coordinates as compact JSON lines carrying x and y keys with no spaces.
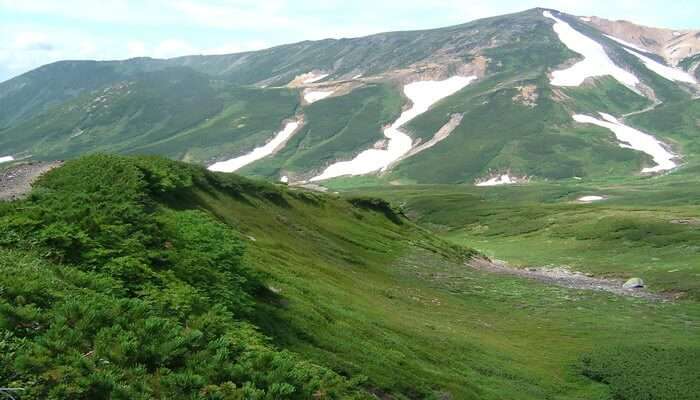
{"x":633,"y":283}
{"x":527,"y":95}
{"x":672,"y":45}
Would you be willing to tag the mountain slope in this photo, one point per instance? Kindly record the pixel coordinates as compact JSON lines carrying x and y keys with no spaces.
{"x":176,"y":112}
{"x":515,"y":118}
{"x":672,"y":45}
{"x":150,"y":276}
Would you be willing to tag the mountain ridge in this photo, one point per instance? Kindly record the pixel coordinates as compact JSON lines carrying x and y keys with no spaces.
{"x":41,"y":115}
{"x":594,"y":18}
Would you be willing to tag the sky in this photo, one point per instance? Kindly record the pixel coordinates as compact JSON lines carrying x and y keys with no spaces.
{"x":37,"y":32}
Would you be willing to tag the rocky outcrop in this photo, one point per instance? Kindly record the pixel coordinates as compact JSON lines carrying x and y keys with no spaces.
{"x":633,"y":283}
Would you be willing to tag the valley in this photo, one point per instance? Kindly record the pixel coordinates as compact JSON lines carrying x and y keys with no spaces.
{"x":354,"y":286}
{"x":503,"y":209}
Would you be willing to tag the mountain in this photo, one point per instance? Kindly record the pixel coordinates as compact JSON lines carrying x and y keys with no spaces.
{"x":490,"y":189}
{"x":527,"y":109}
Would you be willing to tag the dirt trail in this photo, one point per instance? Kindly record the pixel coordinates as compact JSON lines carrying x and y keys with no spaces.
{"x":643,"y":110}
{"x":564,"y":277}
{"x":16,"y":181}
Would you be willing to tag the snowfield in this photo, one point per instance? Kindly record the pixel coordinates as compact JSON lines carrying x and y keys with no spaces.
{"x":595,"y":63}
{"x":422,"y":94}
{"x":311,"y":96}
{"x":6,"y":159}
{"x":498,"y":180}
{"x":670,"y":73}
{"x":590,"y":199}
{"x":259,"y":152}
{"x":633,"y":139}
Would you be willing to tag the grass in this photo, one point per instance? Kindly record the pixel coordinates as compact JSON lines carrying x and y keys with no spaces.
{"x":677,"y":123}
{"x":114,"y":117}
{"x":645,"y":227}
{"x":123,"y":296}
{"x":646,"y":372}
{"x":427,"y":325}
{"x":250,"y":117}
{"x":605,"y":95}
{"x":355,"y":287}
{"x":176,"y":112}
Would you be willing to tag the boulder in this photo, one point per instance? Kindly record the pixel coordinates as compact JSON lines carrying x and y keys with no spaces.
{"x":633,"y":283}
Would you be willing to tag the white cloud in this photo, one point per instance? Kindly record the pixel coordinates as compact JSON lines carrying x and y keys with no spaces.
{"x":122,"y":11}
{"x":29,"y":40}
{"x":24,"y":49}
{"x":136,"y":48}
{"x":173,"y":48}
{"x":237,"y":47}
{"x":236,"y":14}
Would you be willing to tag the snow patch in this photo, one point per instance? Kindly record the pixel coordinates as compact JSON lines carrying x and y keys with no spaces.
{"x":315,"y":95}
{"x":357,"y":76}
{"x":259,"y":152}
{"x":504,"y":179}
{"x":634,"y":139}
{"x":422,"y":94}
{"x":312,"y":77}
{"x":670,"y":73}
{"x":595,"y":63}
{"x":6,"y":159}
{"x":590,"y":199}
{"x":440,"y":135}
{"x":284,"y":179}
{"x":585,"y":19}
{"x":626,"y":43}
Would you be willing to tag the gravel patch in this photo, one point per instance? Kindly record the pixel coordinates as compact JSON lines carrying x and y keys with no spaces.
{"x":16,"y":181}
{"x":564,"y":277}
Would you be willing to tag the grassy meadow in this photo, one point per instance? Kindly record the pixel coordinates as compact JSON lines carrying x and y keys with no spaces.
{"x":322,"y":296}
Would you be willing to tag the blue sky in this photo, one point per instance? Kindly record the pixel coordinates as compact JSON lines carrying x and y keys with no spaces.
{"x":36,"y":32}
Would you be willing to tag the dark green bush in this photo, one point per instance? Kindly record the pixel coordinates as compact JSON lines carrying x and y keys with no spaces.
{"x":107,"y":293}
{"x":379,"y":205}
{"x":646,"y":372}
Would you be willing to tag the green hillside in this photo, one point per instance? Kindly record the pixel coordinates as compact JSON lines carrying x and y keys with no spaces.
{"x":34,"y":92}
{"x":203,"y":109}
{"x":500,"y":134}
{"x":156,"y":279}
{"x":175,"y":112}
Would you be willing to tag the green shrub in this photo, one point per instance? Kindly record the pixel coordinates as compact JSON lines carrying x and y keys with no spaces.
{"x":122,"y":297}
{"x":379,"y":205}
{"x":646,"y":372}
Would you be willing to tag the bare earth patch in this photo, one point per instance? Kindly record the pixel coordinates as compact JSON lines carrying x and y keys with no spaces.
{"x":564,"y":277}
{"x":16,"y":181}
{"x":527,"y":95}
